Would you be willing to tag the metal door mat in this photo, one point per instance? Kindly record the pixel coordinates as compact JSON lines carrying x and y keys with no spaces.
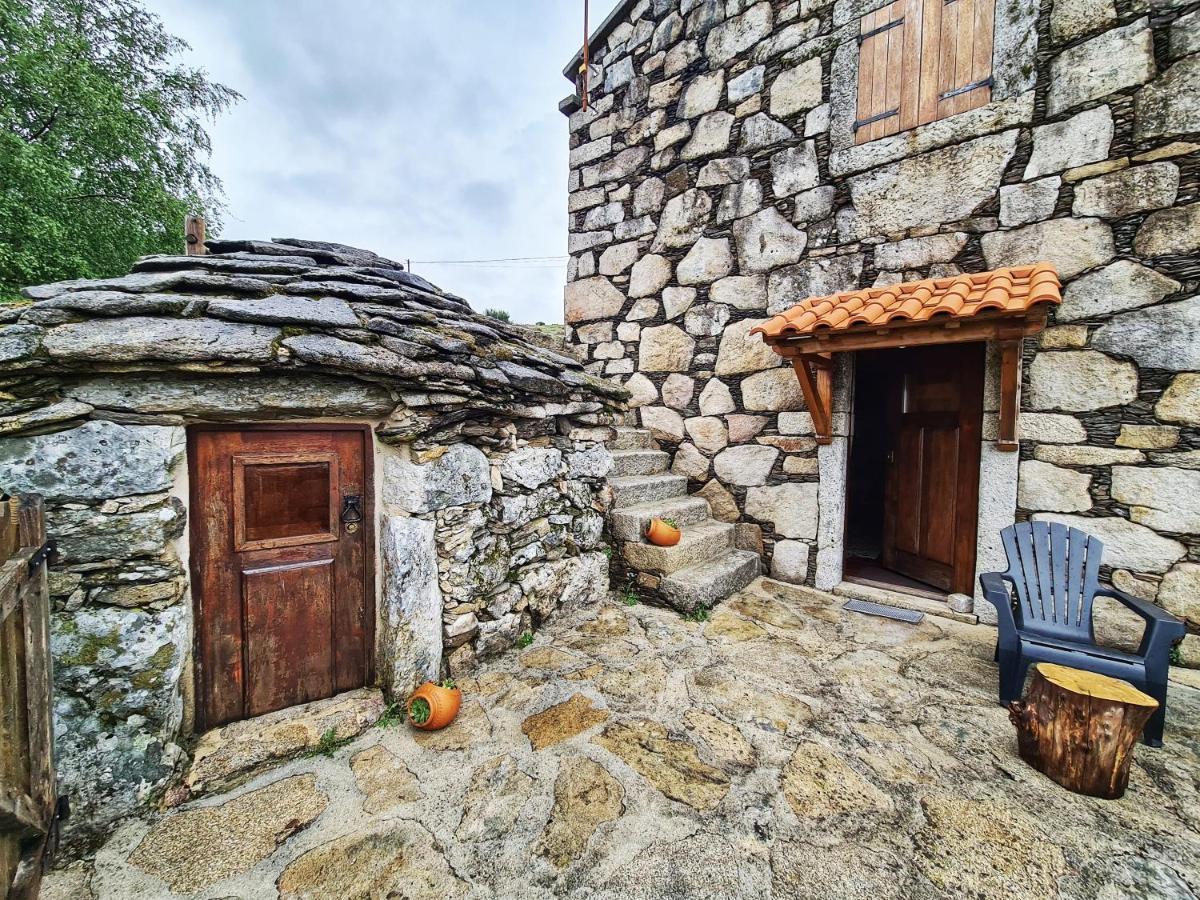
{"x":888,"y":612}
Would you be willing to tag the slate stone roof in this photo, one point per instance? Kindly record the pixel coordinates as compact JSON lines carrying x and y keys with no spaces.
{"x":1010,"y":291}
{"x":288,"y":304}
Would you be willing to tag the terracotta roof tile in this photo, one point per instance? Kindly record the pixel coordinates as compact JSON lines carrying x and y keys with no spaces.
{"x":1007,"y":291}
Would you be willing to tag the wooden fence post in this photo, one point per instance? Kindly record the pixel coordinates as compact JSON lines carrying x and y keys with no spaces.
{"x":194,"y":239}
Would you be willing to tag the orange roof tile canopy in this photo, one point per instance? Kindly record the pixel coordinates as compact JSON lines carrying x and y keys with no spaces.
{"x":1004,"y":292}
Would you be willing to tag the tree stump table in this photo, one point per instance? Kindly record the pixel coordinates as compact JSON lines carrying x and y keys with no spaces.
{"x":1079,"y":728}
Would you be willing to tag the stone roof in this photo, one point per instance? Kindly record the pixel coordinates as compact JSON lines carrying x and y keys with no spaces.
{"x":296,"y":305}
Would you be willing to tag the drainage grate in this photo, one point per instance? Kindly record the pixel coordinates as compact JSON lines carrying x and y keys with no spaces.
{"x":888,"y":612}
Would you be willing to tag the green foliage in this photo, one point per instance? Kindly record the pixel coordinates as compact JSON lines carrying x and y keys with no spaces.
{"x":498,"y":314}
{"x":525,"y":640}
{"x":329,"y":744}
{"x":419,"y":711}
{"x":449,"y":684}
{"x":392,"y":716}
{"x":629,"y":596}
{"x":670,"y":522}
{"x":699,"y":614}
{"x":1176,"y":657}
{"x":103,"y":146}
{"x":607,"y":551}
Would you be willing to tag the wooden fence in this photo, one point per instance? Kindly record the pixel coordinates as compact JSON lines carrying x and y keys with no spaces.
{"x":27,"y":783}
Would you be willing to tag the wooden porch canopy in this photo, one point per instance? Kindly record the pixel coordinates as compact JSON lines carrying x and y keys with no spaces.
{"x":1002,"y":306}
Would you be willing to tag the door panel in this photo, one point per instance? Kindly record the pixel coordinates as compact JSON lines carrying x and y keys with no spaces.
{"x":284,"y":610}
{"x":936,"y":411}
{"x":288,"y":643}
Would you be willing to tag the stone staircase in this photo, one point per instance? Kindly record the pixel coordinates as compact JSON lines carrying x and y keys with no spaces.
{"x":704,"y":567}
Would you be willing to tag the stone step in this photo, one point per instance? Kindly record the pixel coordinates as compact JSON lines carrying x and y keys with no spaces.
{"x":633,"y":439}
{"x":698,"y":544}
{"x":901,"y":600}
{"x":639,"y":462}
{"x":629,"y":523}
{"x":709,"y":582}
{"x":643,"y":488}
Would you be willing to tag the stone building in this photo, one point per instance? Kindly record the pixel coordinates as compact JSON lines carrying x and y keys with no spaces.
{"x":221,"y":437}
{"x":737,"y":157}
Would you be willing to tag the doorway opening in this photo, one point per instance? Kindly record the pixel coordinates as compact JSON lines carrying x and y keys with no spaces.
{"x":913,"y":471}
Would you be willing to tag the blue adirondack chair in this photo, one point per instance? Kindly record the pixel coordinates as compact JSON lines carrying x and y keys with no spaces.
{"x":1053,"y":571}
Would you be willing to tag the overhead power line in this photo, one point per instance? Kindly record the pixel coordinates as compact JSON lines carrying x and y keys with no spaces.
{"x":476,"y":262}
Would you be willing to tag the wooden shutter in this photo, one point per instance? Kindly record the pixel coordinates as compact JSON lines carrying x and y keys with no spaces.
{"x":882,"y":38}
{"x":956,"y":57}
{"x":922,"y":60}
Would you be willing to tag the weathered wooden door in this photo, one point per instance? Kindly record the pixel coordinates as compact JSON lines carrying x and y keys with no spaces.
{"x":931,"y":501}
{"x":281,"y":567}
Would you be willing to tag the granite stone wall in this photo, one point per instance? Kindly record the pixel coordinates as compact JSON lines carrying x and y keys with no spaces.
{"x":714,"y":181}
{"x":489,"y":460}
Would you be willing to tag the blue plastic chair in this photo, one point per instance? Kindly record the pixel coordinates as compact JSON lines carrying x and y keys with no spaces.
{"x":1053,"y":570}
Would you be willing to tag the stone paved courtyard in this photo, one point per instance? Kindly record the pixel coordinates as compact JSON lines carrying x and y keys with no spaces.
{"x":783,"y":748}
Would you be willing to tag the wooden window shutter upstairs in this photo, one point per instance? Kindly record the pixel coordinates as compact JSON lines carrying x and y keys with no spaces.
{"x":922,"y":60}
{"x":883,"y":36}
{"x":956,"y":57}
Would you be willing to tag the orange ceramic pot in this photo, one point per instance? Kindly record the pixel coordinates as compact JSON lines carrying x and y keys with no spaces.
{"x":660,"y":533}
{"x":444,"y":704}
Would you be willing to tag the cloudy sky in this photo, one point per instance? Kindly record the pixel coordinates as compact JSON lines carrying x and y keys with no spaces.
{"x":422,"y":131}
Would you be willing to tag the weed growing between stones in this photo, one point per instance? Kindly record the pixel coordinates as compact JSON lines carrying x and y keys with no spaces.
{"x":629,"y":596}
{"x":699,"y":614}
{"x":525,"y":640}
{"x":392,"y":716}
{"x":329,"y":744}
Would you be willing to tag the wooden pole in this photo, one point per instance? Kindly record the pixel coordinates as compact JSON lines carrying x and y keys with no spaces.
{"x":1079,"y":728}
{"x":194,"y":236}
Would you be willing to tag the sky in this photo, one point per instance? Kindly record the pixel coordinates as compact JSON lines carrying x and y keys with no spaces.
{"x":422,"y":131}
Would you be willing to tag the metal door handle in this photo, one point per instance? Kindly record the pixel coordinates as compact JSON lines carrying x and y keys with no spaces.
{"x":351,"y":512}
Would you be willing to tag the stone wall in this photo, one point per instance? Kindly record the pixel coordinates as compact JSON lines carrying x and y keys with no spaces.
{"x":714,"y":182}
{"x":489,"y":463}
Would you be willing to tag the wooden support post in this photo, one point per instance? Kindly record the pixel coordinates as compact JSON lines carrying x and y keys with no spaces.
{"x":194,"y":236}
{"x":815,"y":374}
{"x":1080,"y":728}
{"x":1010,"y":379}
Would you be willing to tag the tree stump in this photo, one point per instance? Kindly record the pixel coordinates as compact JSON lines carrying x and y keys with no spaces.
{"x":1079,"y":728}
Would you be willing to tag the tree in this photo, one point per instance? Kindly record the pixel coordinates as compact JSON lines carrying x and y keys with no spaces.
{"x":103,"y":148}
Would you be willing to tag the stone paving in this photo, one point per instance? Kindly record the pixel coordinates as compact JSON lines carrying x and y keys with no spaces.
{"x":784,"y":748}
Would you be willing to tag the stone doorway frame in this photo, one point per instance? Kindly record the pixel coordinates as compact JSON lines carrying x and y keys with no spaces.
{"x":998,"y":469}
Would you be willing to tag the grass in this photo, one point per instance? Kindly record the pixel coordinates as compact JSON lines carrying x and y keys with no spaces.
{"x":1176,"y":657}
{"x":525,"y":640}
{"x":629,"y":596}
{"x":392,"y":716}
{"x":329,"y":744}
{"x":699,"y":614}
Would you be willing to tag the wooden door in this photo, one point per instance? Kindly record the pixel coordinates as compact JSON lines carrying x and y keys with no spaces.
{"x":281,"y":567}
{"x":931,"y":502}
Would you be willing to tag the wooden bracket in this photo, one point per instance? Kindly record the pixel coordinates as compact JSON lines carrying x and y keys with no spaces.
{"x":1010,"y":379}
{"x":815,"y":374}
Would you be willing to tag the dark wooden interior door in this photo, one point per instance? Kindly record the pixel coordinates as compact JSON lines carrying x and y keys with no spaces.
{"x":931,"y":500}
{"x":281,"y":560}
